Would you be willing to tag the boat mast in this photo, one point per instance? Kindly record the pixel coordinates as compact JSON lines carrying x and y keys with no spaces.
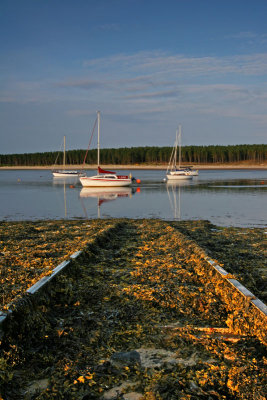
{"x":64,"y":152}
{"x":180,"y":147}
{"x":98,"y":133}
{"x":175,"y":152}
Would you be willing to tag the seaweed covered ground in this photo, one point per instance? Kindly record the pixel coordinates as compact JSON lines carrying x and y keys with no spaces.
{"x":30,"y":250}
{"x":242,"y":251}
{"x":131,"y":318}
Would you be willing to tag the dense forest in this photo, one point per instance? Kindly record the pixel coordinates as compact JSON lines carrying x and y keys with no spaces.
{"x":256,"y":153}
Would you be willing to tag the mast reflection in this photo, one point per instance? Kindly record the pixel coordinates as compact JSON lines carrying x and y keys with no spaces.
{"x":174,"y":194}
{"x":65,"y":181}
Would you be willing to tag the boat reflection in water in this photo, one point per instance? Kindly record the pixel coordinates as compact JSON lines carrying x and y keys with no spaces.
{"x":174,"y":194}
{"x":66,"y":181}
{"x":106,"y":194}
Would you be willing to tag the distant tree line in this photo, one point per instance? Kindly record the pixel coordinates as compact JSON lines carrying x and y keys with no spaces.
{"x":142,"y":155}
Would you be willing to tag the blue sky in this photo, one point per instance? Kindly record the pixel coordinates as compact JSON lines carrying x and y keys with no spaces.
{"x":147,"y":65}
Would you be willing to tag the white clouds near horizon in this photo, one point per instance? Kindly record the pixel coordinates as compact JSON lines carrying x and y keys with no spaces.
{"x":167,"y":86}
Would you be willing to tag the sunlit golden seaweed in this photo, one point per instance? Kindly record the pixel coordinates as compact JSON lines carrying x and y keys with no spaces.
{"x":242,"y":251}
{"x":143,"y":289}
{"x":31,"y":250}
{"x":243,"y":317}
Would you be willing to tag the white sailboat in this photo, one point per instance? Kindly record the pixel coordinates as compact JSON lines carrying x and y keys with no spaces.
{"x":173,"y":172}
{"x":104,"y":178}
{"x":63,"y":173}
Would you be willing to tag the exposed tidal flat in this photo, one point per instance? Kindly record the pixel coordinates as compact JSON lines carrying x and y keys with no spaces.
{"x":31,"y":250}
{"x":134,"y":316}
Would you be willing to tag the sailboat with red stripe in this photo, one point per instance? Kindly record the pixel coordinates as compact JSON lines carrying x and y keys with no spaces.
{"x":105,"y":178}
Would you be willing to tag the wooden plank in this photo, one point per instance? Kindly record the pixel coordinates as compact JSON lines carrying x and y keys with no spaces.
{"x":38,"y":285}
{"x":216,"y":266}
{"x":59,"y":268}
{"x":242,"y":289}
{"x":260,"y":305}
{"x":42,"y":282}
{"x":2,"y":317}
{"x":76,"y":254}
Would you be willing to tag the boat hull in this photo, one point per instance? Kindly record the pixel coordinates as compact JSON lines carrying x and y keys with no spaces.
{"x":176,"y":177}
{"x":64,"y":174}
{"x":105,"y":182}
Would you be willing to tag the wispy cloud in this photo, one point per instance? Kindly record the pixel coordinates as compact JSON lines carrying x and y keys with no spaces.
{"x":242,"y":35}
{"x":248,"y":36}
{"x":164,"y":64}
{"x":151,"y":83}
{"x":151,"y":95}
{"x":82,"y":84}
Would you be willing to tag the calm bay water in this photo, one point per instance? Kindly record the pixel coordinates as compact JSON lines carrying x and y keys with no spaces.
{"x":226,"y":198}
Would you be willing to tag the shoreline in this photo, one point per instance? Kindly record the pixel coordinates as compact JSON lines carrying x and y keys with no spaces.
{"x":237,"y":166}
